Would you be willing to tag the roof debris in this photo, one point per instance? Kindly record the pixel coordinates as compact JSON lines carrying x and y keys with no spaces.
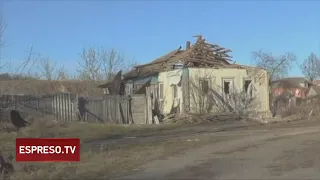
{"x":200,"y":54}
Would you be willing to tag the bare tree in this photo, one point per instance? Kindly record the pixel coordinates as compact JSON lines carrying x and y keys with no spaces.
{"x":112,"y":62}
{"x":47,"y":68}
{"x":21,"y":72}
{"x":24,"y":69}
{"x":27,"y":65}
{"x":3,"y":26}
{"x":90,"y":65}
{"x":102,"y":64}
{"x":50,"y":71}
{"x":62,"y":74}
{"x":277,"y":66}
{"x":310,"y":67}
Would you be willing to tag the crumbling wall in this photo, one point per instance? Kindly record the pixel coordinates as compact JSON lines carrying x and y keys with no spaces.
{"x":217,"y":99}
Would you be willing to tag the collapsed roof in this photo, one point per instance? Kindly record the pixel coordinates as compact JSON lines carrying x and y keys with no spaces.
{"x":200,"y":54}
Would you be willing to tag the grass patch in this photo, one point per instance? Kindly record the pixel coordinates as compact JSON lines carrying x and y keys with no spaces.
{"x":102,"y":165}
{"x":95,"y":163}
{"x":85,"y":131}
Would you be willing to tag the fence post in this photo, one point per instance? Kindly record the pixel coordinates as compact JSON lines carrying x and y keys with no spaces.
{"x":149,"y":105}
{"x":52,"y":107}
{"x":69,"y":107}
{"x":56,"y":106}
{"x":104,"y":109}
{"x":117,"y":108}
{"x":130,"y":110}
{"x":146,"y":109}
{"x":60,"y":106}
{"x":76,"y":108}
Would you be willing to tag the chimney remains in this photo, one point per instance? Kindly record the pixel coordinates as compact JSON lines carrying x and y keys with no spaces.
{"x":188,"y":45}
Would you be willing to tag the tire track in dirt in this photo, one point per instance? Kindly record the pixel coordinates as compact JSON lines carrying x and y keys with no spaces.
{"x":235,"y":128}
{"x":127,"y":140}
{"x":159,"y":169}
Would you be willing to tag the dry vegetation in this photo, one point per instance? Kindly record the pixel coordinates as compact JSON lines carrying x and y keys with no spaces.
{"x":97,"y":161}
{"x":308,"y":109}
{"x":45,"y":87}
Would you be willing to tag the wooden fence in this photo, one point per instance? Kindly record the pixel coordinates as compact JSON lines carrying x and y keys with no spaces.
{"x":63,"y":107}
{"x":66,"y":107}
{"x":104,"y":109}
{"x":107,"y":109}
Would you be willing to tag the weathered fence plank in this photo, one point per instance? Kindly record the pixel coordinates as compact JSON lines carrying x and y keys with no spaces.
{"x":108,"y":109}
{"x":64,"y":107}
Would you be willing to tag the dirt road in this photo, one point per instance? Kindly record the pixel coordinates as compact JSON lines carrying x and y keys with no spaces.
{"x":262,"y":153}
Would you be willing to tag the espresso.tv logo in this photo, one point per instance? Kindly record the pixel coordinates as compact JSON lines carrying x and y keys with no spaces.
{"x":47,"y":149}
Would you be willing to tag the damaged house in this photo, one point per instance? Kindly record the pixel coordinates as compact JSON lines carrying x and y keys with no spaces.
{"x":297,"y":86}
{"x":293,"y":91}
{"x":200,"y":78}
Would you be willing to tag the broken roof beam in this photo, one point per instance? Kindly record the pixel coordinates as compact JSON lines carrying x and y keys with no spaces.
{"x":212,"y":45}
{"x":211,"y":53}
{"x":219,"y":48}
{"x":224,"y":51}
{"x":217,"y":58}
{"x":205,"y":49}
{"x":201,"y":60}
{"x":225,"y":56}
{"x":227,"y":59}
{"x":210,"y":49}
{"x":198,"y":36}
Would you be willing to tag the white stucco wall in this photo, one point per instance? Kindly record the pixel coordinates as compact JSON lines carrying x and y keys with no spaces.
{"x":259,"y":78}
{"x":168,"y":79}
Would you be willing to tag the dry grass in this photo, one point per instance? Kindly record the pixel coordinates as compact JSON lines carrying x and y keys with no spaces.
{"x":209,"y":118}
{"x":305,"y":109}
{"x":95,"y":163}
{"x":101,"y":165}
{"x":43,"y":87}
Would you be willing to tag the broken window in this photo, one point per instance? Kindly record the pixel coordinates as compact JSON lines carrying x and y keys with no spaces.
{"x":160,"y":90}
{"x":174,"y":91}
{"x":227,"y":85}
{"x":248,"y":87}
{"x":204,"y":86}
{"x":122,"y":89}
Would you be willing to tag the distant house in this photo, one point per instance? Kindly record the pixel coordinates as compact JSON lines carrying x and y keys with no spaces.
{"x":201,"y":76}
{"x":297,"y":86}
{"x":297,"y":89}
{"x":314,"y":91}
